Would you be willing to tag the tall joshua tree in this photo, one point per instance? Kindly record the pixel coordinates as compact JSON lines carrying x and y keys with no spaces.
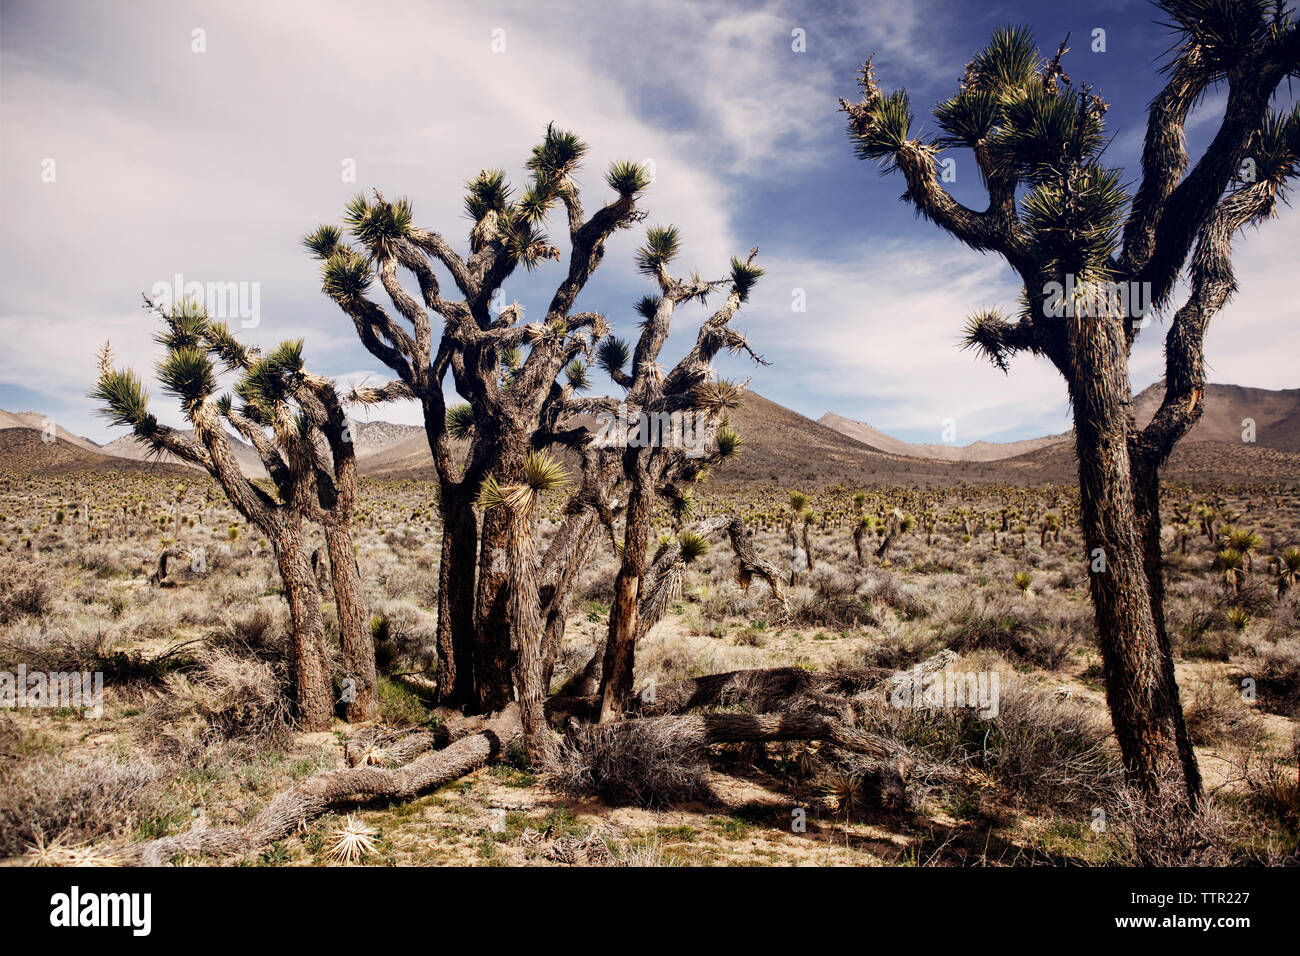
{"x":188,"y":373}
{"x":509,"y":373}
{"x":1075,"y":250}
{"x":667,"y":431}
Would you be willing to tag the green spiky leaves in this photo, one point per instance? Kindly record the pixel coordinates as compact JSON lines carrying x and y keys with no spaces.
{"x":881,"y":123}
{"x":743,"y":276}
{"x":525,"y":244}
{"x":729,"y":442}
{"x":557,"y":156}
{"x":576,"y":374}
{"x":1046,"y":133}
{"x":968,"y":118}
{"x":987,"y":332}
{"x":186,"y":326}
{"x":379,"y":225}
{"x":324,"y":241}
{"x":627,"y":178}
{"x":542,"y":473}
{"x":232,"y":352}
{"x":122,"y":396}
{"x":1221,"y":31}
{"x":647,"y":306}
{"x":720,"y":396}
{"x":662,"y":245}
{"x":613,"y":355}
{"x":460,"y":420}
{"x":1275,"y":156}
{"x":1010,"y":62}
{"x":1078,"y":230}
{"x":186,"y":373}
{"x":487,"y":192}
{"x":693,"y":545}
{"x":346,"y":276}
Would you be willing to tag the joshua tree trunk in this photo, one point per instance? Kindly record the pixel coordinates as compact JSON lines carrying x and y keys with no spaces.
{"x":1146,"y":495}
{"x":526,"y":619}
{"x":310,"y":671}
{"x":456,"y":601}
{"x":493,"y":664}
{"x":354,"y":633}
{"x":1140,"y":690}
{"x":620,"y":646}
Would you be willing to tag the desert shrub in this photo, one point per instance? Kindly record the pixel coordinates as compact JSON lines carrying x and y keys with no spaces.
{"x":52,"y":799}
{"x":1273,"y":795}
{"x":838,"y":611}
{"x":1047,"y":749}
{"x":256,"y":633}
{"x":405,"y":637}
{"x":23,"y":590}
{"x":1215,"y":713}
{"x":1277,"y":675}
{"x":1163,"y":834}
{"x":898,"y":653}
{"x":400,"y":704}
{"x":1021,"y":636}
{"x":103,"y":560}
{"x":241,"y":698}
{"x":636,"y":764}
{"x":1253,"y":597}
{"x":885,"y":589}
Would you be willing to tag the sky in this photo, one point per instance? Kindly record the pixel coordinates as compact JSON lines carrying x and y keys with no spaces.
{"x":142,"y":141}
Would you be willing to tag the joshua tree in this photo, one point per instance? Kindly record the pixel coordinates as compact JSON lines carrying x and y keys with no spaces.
{"x":188,"y":373}
{"x":668,"y":430}
{"x":1245,"y":543}
{"x":864,"y":526}
{"x":895,"y":524}
{"x":1057,"y":216}
{"x":507,"y":371}
{"x":328,"y":448}
{"x":1288,"y":569}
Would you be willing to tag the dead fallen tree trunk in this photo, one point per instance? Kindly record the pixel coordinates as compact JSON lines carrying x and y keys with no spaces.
{"x":330,"y":788}
{"x":777,"y":688}
{"x":705,"y":730}
{"x":389,"y":747}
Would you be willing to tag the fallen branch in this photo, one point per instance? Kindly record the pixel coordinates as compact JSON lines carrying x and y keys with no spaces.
{"x":291,"y":810}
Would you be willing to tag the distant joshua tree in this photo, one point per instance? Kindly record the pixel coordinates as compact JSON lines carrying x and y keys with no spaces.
{"x":1058,"y":217}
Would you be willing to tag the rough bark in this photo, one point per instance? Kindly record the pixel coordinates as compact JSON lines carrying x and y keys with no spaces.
{"x":354,"y":630}
{"x":312,"y":692}
{"x":456,"y":585}
{"x":1143,"y":700}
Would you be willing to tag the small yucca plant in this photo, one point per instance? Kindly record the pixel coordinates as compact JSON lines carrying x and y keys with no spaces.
{"x":845,"y":793}
{"x":729,"y":442}
{"x":354,"y":841}
{"x":1023,"y":580}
